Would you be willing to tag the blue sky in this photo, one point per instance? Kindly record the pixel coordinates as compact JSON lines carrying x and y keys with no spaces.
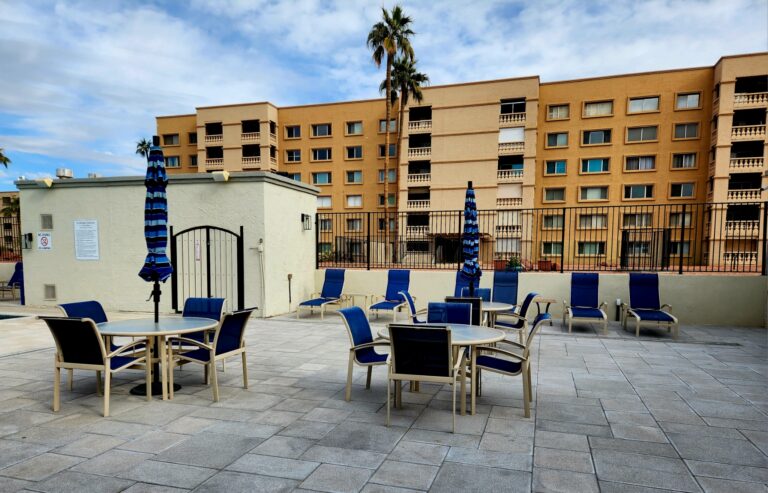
{"x":81,"y":82}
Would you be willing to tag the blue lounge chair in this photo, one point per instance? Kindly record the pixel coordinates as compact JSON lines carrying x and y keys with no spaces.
{"x":483,"y":293}
{"x":16,"y":282}
{"x":518,"y":321}
{"x":585,"y":305}
{"x":462,"y":281}
{"x":513,"y":359}
{"x":333,"y":285}
{"x":644,"y":304}
{"x":449,"y":313}
{"x":412,"y":308}
{"x":362,"y":344}
{"x":397,"y":280}
{"x":505,"y":287}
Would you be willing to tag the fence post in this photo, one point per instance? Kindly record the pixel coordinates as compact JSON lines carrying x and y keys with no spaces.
{"x":682,"y":238}
{"x":368,"y":240}
{"x":562,"y":243}
{"x":765,"y":240}
{"x":317,"y":241}
{"x":461,"y":241}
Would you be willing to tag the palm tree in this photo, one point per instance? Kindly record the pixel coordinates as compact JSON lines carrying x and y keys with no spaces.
{"x":388,"y":38}
{"x":142,"y":147}
{"x":12,"y":209}
{"x":4,"y":159}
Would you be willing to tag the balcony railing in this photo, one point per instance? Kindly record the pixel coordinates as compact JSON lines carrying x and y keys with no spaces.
{"x":417,"y":230}
{"x":748,"y":132}
{"x":509,"y":201}
{"x":742,"y":228}
{"x":740,"y":257}
{"x":509,"y":230}
{"x":250,"y":137}
{"x":250,"y":162}
{"x":272,"y":138}
{"x":419,"y":152}
{"x":419,"y":177}
{"x":508,"y":175}
{"x":747,"y":163}
{"x":508,"y":119}
{"x":214,"y":162}
{"x":420,"y":126}
{"x":750,"y":195}
{"x":273,"y":160}
{"x":418,"y":204}
{"x":214,"y":138}
{"x":741,"y":100}
{"x":506,"y":148}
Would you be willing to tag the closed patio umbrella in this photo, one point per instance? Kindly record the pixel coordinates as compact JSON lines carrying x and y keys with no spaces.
{"x":470,"y":240}
{"x":157,"y":268}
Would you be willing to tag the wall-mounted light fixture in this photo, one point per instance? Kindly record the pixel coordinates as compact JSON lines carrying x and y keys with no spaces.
{"x":306,"y":222}
{"x":26,"y":241}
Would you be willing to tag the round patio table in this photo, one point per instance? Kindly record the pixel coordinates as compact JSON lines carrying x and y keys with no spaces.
{"x":492,"y":308}
{"x":156,"y":334}
{"x":466,"y":336}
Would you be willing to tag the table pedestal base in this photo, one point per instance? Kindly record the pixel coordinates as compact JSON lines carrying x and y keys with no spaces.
{"x":157,"y":388}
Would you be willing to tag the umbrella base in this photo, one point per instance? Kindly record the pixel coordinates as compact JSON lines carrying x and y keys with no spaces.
{"x":157,"y":388}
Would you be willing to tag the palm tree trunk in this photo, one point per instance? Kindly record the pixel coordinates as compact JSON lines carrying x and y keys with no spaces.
{"x":386,"y":151}
{"x":397,"y":160}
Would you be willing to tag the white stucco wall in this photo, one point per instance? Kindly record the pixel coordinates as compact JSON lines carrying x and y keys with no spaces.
{"x":260,"y":202}
{"x":726,"y":300}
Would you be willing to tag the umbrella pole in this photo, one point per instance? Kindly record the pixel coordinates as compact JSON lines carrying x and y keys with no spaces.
{"x":156,"y":297}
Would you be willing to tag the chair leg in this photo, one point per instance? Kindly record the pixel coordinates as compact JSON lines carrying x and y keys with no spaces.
{"x":368,"y":378}
{"x":107,"y":385}
{"x":389,"y":392}
{"x":98,"y":383}
{"x":570,"y":325}
{"x":463,"y":376}
{"x":453,"y":406}
{"x":399,"y":394}
{"x":526,"y":393}
{"x":637,"y":328}
{"x":245,"y":373}
{"x":348,"y":395}
{"x":147,"y":374}
{"x":170,"y":371}
{"x":56,"y":388}
{"x":71,"y":379}
{"x":164,"y":367}
{"x":214,"y":380}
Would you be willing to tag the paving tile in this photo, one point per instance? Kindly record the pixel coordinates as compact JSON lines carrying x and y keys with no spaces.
{"x":12,"y":452}
{"x":337,"y":479}
{"x":442,"y":420}
{"x":273,"y":466}
{"x":382,"y":488}
{"x":716,"y":449}
{"x":643,"y":470}
{"x":558,"y":481}
{"x":630,"y":418}
{"x":419,"y":453}
{"x":443,"y":438}
{"x":726,"y":410}
{"x":642,"y":433}
{"x":112,"y":462}
{"x":569,"y":413}
{"x":520,"y":462}
{"x":574,"y":428}
{"x":90,"y":445}
{"x":314,"y":430}
{"x":280,"y":446}
{"x":363,"y":437}
{"x":153,"y":488}
{"x":77,"y":482}
{"x":503,"y":443}
{"x":405,"y":475}
{"x":208,"y":450}
{"x":700,"y":430}
{"x":712,"y":485}
{"x":759,"y":438}
{"x":235,"y":482}
{"x":728,"y":471}
{"x":168,"y":474}
{"x":510,"y":427}
{"x":10,"y":485}
{"x":40,"y":467}
{"x":466,"y":477}
{"x":188,"y":425}
{"x":326,"y":415}
{"x":634,"y":446}
{"x":244,"y":429}
{"x":567,"y":460}
{"x":345,"y":457}
{"x":154,"y":442}
{"x":564,"y":441}
{"x":611,"y":487}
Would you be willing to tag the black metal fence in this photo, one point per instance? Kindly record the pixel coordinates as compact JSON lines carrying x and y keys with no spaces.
{"x":10,"y":242}
{"x":706,"y":237}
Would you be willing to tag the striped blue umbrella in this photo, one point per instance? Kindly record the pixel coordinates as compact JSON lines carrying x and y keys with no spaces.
{"x":471,"y":240}
{"x":157,"y":268}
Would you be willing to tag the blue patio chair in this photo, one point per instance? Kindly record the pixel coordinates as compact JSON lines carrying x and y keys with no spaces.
{"x":519,"y":321}
{"x":514,"y":359}
{"x":423,"y":353}
{"x":228,"y":341}
{"x":203,"y":308}
{"x":483,"y":293}
{"x":412,"y":308}
{"x":462,"y":281}
{"x":449,"y":313}
{"x":397,"y":280}
{"x":16,"y":282}
{"x":362,"y":344}
{"x":644,"y":304}
{"x":333,"y":285}
{"x":476,"y":305}
{"x":79,"y":346}
{"x":585,"y":305}
{"x":505,"y":287}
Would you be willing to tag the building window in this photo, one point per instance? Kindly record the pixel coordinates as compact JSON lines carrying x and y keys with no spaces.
{"x":295,"y":176}
{"x":676,"y":217}
{"x":594,"y":193}
{"x":551,"y":248}
{"x":355,"y":152}
{"x":507,"y":245}
{"x":193,"y":160}
{"x":171,"y":139}
{"x":392,"y":176}
{"x":392,"y":125}
{"x":592,"y":137}
{"x":354,"y":200}
{"x":642,"y":220}
{"x":392,"y":150}
{"x":390,"y":196}
{"x":324,"y":248}
{"x":322,"y":178}
{"x":323,"y":202}
{"x":558,"y":112}
{"x":684,"y":161}
{"x":680,"y":248}
{"x":638,"y":248}
{"x":593,"y":221}
{"x":515,"y":134}
{"x":638,"y":191}
{"x":555,"y":167}
{"x":554,"y":194}
{"x":686,"y":130}
{"x":598,"y":108}
{"x":558,"y":139}
{"x":688,"y":101}
{"x":321,"y":130}
{"x":171,"y":161}
{"x":591,"y":248}
{"x":354,"y":128}
{"x":326,"y":225}
{"x":355,"y":224}
{"x":293,"y":132}
{"x":643,"y":105}
{"x":595,"y":165}
{"x":640,"y":163}
{"x":293,"y":156}
{"x":383,"y":223}
{"x":642,"y":134}
{"x":681,"y":190}
{"x":509,"y":106}
{"x":552,"y":221}
{"x":321,"y":154}
{"x":354,"y":176}
{"x":192,"y":137}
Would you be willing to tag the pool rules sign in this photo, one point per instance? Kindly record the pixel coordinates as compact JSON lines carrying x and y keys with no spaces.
{"x":87,"y":240}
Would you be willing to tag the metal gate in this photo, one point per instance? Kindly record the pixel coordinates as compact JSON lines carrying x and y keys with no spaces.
{"x":207,"y":263}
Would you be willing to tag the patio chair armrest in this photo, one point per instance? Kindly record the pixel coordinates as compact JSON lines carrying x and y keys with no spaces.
{"x":492,"y":349}
{"x":125,"y":348}
{"x":381,"y":342}
{"x":421,"y":312}
{"x":191,"y":342}
{"x":513,"y":314}
{"x":667,"y":306}
{"x":512,"y":343}
{"x":603,"y":305}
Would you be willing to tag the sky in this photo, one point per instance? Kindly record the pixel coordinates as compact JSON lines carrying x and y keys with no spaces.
{"x":82,"y":81}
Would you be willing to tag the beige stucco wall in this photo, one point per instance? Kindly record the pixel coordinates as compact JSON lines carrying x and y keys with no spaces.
{"x":695,"y":299}
{"x":261,"y":202}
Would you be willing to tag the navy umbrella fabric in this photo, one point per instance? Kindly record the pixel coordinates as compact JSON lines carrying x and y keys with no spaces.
{"x":157,"y":268}
{"x":471,"y":240}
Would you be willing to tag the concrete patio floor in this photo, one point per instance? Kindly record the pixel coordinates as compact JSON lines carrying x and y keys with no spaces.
{"x":611,"y":413}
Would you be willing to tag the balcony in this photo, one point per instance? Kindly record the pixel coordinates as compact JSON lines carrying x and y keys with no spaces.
{"x":511,"y":119}
{"x":507,"y":148}
{"x":250,"y":137}
{"x":509,"y":175}
{"x":420,"y":152}
{"x":509,"y":230}
{"x":748,"y":132}
{"x":747,"y":163}
{"x":750,"y":99}
{"x":214,"y":138}
{"x":509,"y":202}
{"x":744,"y":195}
{"x":742,"y":229}
{"x":272,"y":138}
{"x":740,"y":257}
{"x":420,"y":126}
{"x":417,"y":204}
{"x":273,"y":160}
{"x":252,"y":162}
{"x":214,"y":162}
{"x":419,"y":177}
{"x":417,"y":230}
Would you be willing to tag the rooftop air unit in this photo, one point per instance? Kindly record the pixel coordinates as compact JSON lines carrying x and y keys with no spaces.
{"x":64,"y":173}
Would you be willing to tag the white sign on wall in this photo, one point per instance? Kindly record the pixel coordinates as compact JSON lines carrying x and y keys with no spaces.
{"x":87,"y":239}
{"x":44,"y":241}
